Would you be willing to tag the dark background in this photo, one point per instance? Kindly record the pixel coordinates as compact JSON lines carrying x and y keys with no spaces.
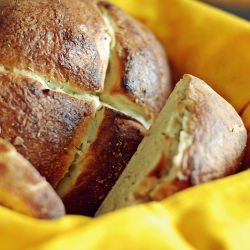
{"x":237,"y":9}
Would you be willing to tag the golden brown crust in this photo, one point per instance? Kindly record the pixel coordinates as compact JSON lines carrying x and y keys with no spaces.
{"x":117,"y":140}
{"x":218,"y":140}
{"x":59,"y":39}
{"x":23,"y":189}
{"x":143,"y":75}
{"x":197,"y":137}
{"x":65,"y":45}
{"x":45,"y":126}
{"x":218,"y":135}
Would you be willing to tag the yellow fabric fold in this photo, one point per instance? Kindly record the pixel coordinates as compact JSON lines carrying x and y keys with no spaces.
{"x":21,"y":232}
{"x":213,"y":46}
{"x":212,"y":216}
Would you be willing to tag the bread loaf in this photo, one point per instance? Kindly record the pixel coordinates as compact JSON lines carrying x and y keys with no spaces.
{"x":79,"y":82}
{"x":198,"y":137}
{"x":23,"y":189}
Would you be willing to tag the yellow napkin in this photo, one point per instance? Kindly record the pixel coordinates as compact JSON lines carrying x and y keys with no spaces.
{"x":211,"y":216}
{"x":214,"y":46}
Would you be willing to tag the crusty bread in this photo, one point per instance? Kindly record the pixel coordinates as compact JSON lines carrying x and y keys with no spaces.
{"x":198,"y":137}
{"x":110,"y":143}
{"x":70,"y":43}
{"x":63,"y":65}
{"x":49,"y":124}
{"x":23,"y":189}
{"x":136,"y":64}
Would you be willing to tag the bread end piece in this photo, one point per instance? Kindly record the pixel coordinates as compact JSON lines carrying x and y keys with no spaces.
{"x":198,"y":137}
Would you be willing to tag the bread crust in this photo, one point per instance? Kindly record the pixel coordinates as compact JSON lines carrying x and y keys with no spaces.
{"x":60,"y":40}
{"x":23,"y":189}
{"x":208,"y":144}
{"x":137,"y":49}
{"x":213,"y":115}
{"x":45,"y":126}
{"x":117,"y":139}
{"x":218,"y":140}
{"x":54,"y":56}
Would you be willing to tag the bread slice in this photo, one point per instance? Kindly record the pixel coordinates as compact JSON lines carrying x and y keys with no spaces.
{"x":198,"y":137}
{"x":23,"y":189}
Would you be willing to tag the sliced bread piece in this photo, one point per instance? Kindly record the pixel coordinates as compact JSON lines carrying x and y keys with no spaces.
{"x":198,"y":137}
